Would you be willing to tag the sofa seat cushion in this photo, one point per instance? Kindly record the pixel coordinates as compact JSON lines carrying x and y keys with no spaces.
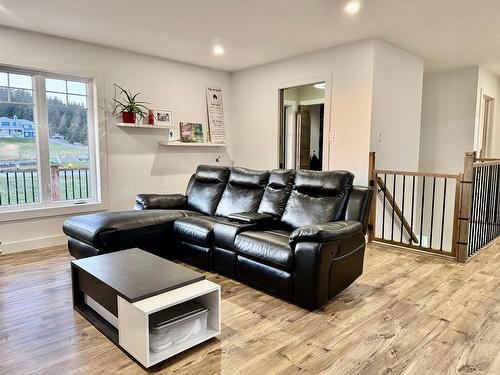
{"x":114,"y":230}
{"x":198,"y":229}
{"x":268,"y":247}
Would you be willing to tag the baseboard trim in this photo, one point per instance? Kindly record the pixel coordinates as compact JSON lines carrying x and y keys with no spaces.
{"x":32,"y":244}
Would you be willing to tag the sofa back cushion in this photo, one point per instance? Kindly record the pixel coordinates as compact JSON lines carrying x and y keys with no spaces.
{"x":317,"y":197}
{"x":277,"y":192}
{"x":243,"y":191}
{"x":206,"y":188}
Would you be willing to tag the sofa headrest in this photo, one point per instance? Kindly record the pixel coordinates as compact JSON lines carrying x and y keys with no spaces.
{"x":211,"y":173}
{"x":323,"y":183}
{"x":281,"y":178}
{"x":248,"y":177}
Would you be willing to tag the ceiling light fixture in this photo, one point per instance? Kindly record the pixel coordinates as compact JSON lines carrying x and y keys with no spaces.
{"x":352,"y":7}
{"x":218,"y":50}
{"x":320,"y":86}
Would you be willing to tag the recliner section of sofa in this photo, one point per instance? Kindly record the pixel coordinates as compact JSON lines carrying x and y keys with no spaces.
{"x":297,"y":234}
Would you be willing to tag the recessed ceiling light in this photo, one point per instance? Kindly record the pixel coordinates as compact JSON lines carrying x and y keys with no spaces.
{"x":352,"y":7}
{"x":218,"y":50}
{"x":320,"y":86}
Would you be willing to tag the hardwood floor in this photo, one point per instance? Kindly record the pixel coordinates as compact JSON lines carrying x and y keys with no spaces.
{"x":407,"y":314}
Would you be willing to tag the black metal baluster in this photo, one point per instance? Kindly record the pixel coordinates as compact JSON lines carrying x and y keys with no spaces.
{"x":8,"y":187}
{"x":65,"y":185}
{"x":422,"y":211}
{"x":17,"y":187}
{"x":24,"y":187}
{"x":432,"y":210}
{"x":80,"y":183}
{"x":87,"y":183}
{"x":412,"y":208}
{"x":32,"y":186}
{"x":471,"y":239}
{"x":477,"y":217}
{"x":489,"y":205}
{"x":393,"y":205}
{"x":383,"y":206}
{"x":73,"y":183}
{"x":497,"y":199}
{"x":483,"y":211}
{"x":442,"y":218}
{"x":493,"y":203}
{"x":1,"y":179}
{"x":477,"y":210}
{"x":403,"y":209}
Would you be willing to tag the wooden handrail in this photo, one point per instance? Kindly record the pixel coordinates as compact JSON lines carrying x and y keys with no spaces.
{"x":485,"y":163}
{"x":421,"y":174}
{"x":487,"y":159}
{"x":397,"y":210}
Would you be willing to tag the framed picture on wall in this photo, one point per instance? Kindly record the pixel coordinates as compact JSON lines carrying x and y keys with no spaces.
{"x":163,"y":116}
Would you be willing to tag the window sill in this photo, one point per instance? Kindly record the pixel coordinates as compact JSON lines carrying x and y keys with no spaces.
{"x":34,"y":212}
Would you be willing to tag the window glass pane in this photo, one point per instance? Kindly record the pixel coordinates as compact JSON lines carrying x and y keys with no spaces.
{"x":18,"y":155}
{"x":21,"y":96}
{"x":56,"y":99}
{"x":77,"y":100}
{"x":4,"y":94}
{"x":20,"y":81}
{"x":68,"y":148}
{"x":79,"y":88}
{"x":57,"y":85}
{"x":3,"y":79}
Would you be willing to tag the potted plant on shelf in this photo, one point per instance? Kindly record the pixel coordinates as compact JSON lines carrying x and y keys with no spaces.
{"x":130,"y":109}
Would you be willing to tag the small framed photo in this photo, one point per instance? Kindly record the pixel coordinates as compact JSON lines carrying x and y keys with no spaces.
{"x":163,"y":117}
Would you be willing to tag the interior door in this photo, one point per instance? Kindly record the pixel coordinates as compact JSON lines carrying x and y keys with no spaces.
{"x":303,"y":138}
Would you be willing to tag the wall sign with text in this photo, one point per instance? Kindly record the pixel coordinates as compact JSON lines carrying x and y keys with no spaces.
{"x":215,"y":115}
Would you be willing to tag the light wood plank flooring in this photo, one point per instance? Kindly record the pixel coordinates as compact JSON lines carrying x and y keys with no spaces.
{"x":407,"y":314}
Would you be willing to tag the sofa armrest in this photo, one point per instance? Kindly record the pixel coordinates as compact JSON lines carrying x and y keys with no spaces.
{"x":328,"y":232}
{"x":252,"y":217}
{"x":315,"y":248}
{"x":160,"y":201}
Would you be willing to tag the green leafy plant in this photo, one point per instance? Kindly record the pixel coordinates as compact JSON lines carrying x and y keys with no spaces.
{"x":129,"y":103}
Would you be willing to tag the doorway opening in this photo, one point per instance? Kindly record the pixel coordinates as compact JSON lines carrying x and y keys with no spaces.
{"x":302,"y":127}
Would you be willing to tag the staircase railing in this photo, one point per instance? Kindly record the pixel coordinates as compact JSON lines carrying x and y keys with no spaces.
{"x":479,"y":213}
{"x":414,"y":210}
{"x":453,"y":215}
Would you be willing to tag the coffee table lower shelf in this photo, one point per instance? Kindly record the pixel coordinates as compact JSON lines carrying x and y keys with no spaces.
{"x":130,"y":329}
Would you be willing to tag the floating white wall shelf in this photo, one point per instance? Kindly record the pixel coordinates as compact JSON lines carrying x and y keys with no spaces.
{"x":145,"y":126}
{"x":186,"y":144}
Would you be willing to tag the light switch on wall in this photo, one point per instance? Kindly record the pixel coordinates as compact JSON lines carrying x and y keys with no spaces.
{"x":379,"y":136}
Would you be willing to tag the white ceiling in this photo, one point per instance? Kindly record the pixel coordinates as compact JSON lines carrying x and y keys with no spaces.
{"x":446,"y":33}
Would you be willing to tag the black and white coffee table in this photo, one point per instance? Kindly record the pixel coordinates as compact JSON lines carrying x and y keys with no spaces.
{"x":117,"y":292}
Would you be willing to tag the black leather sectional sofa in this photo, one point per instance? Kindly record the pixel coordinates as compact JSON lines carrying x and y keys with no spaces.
{"x":297,"y":234}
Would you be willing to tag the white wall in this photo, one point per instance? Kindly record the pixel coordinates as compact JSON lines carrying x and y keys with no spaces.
{"x":136,"y":163}
{"x":488,"y":84}
{"x":448,"y":118}
{"x":255,"y":106}
{"x":396,"y":107}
